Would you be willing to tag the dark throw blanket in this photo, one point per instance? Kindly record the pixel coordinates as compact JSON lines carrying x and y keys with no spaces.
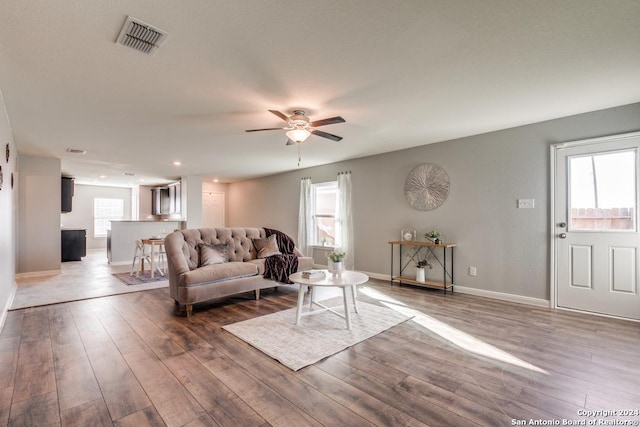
{"x":280,"y":267}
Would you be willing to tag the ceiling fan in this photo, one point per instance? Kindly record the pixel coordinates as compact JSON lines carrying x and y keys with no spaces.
{"x":299,"y":127}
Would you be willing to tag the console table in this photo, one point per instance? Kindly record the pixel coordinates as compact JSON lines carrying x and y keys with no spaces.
{"x":415,"y":248}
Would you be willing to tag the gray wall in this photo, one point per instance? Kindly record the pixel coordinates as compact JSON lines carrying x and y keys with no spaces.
{"x":81,"y":216}
{"x":39,"y":214}
{"x":488,"y":173}
{"x":192,"y":190}
{"x":8,"y":202}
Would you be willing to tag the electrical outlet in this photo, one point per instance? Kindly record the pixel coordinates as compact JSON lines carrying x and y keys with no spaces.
{"x":526,"y":203}
{"x":472,"y":271}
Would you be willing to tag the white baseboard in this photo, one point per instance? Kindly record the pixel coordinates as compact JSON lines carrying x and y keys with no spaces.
{"x":377,"y":276}
{"x":504,"y":297}
{"x":483,"y":293}
{"x":120,"y":263}
{"x":5,"y":310}
{"x":37,"y":274}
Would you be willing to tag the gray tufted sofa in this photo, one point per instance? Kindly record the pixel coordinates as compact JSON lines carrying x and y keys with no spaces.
{"x":190,"y":283}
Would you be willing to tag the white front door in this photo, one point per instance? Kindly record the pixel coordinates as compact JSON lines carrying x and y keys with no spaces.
{"x":596,"y":226}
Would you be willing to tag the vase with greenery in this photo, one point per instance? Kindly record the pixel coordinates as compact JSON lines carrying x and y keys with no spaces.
{"x":336,"y":262}
{"x":434,"y":236}
{"x":420,"y":269}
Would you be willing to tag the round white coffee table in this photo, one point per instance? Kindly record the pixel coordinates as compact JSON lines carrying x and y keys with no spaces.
{"x":348,"y":281}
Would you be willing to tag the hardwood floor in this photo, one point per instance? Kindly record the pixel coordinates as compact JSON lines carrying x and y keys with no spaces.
{"x":126,"y":360}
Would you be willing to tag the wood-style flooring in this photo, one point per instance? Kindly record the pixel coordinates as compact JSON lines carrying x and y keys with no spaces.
{"x":127,"y":360}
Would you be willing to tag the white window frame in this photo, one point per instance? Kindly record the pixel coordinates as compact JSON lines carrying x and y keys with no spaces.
{"x":314,"y":187}
{"x":107,"y":217}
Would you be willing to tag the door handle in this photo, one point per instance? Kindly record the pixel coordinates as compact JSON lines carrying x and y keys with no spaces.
{"x":562,"y":225}
{"x":562,"y":235}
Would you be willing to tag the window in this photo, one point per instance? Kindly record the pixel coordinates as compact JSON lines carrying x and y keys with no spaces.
{"x":603,"y":191}
{"x":325,"y":206}
{"x":104,"y":210}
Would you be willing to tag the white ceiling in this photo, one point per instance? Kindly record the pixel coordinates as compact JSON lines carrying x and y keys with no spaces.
{"x":402,"y":74}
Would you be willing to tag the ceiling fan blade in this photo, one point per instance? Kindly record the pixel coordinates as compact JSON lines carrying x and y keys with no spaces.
{"x":279,"y":114}
{"x":258,"y":130}
{"x":290,"y":142}
{"x":329,"y":121}
{"x":330,"y":136}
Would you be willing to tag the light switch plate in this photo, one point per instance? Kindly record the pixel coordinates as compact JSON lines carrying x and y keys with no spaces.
{"x":526,"y":203}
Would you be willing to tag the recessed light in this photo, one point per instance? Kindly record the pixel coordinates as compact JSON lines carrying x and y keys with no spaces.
{"x":176,"y":163}
{"x":103,"y":176}
{"x":216,"y":180}
{"x":141,"y":179}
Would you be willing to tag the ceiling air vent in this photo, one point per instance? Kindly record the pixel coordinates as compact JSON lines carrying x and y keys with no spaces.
{"x":76,"y":151}
{"x":140,"y":36}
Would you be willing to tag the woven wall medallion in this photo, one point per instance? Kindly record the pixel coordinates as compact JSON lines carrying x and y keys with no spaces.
{"x":426,"y":187}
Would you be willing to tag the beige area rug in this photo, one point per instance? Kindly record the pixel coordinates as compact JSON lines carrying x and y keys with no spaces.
{"x":317,"y":337}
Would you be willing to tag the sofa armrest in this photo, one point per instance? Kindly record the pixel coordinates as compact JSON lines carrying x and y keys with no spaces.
{"x":177,"y":251}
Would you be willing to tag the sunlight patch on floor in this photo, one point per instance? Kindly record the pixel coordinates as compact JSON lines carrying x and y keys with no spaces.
{"x":455,"y":336}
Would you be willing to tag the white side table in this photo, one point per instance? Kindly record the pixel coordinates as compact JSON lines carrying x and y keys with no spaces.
{"x":348,"y":282}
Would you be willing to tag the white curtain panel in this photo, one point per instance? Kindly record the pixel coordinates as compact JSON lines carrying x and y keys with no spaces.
{"x":305,"y":217}
{"x":345,"y":219}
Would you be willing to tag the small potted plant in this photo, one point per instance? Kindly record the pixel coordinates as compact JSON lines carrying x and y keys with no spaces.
{"x":335,"y":262}
{"x":434,"y":236}
{"x":420,"y":269}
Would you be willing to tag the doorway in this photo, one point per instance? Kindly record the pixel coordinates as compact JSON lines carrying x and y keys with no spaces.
{"x":595,"y":245}
{"x":213,"y":208}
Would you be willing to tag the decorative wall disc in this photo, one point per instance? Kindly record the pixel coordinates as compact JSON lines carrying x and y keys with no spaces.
{"x":426,"y":187}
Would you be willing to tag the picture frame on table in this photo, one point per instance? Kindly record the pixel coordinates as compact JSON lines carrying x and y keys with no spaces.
{"x":408,"y":235}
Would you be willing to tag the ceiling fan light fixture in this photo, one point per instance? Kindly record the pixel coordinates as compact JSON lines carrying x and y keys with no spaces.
{"x":298,"y":135}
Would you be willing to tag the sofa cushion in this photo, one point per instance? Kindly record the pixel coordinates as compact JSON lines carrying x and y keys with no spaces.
{"x":217,"y":272}
{"x":266,"y":247}
{"x":259,"y":263}
{"x":213,"y":254}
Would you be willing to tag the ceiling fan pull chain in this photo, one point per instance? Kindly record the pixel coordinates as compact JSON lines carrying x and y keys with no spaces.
{"x":299,"y":158}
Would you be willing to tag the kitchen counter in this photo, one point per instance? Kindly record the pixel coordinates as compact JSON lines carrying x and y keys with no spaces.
{"x":144,"y":220}
{"x":123,"y":234}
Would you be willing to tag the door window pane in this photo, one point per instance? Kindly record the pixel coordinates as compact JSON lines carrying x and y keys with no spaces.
{"x":602,"y":191}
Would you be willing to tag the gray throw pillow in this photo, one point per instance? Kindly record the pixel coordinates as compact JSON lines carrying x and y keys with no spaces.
{"x":266,"y":247}
{"x":213,"y":254}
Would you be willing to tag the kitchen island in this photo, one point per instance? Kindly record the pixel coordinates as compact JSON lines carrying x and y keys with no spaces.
{"x":123,"y":234}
